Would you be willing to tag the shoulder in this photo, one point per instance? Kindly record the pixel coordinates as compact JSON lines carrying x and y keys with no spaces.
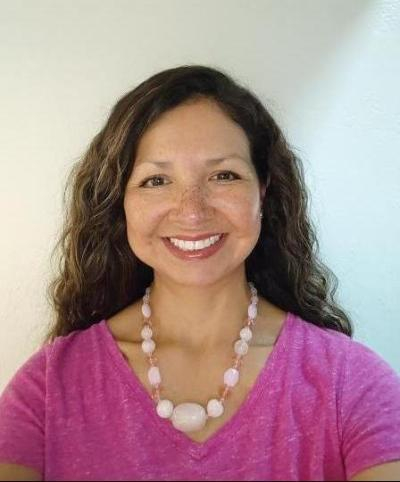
{"x":338,"y":344}
{"x":335,"y":354}
{"x":318,"y":353}
{"x":313,"y":339}
{"x":29,"y":380}
{"x":63,"y":353}
{"x":77,"y":344}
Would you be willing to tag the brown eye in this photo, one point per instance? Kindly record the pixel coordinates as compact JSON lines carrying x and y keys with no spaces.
{"x":227,"y":173}
{"x":151,"y":179}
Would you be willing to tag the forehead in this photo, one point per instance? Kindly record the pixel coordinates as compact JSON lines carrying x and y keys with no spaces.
{"x":198,"y":128}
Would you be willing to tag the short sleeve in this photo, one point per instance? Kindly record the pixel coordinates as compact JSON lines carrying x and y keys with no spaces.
{"x":370,"y":411}
{"x":22,"y":415}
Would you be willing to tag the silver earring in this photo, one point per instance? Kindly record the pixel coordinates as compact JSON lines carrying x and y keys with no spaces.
{"x":261,"y":215}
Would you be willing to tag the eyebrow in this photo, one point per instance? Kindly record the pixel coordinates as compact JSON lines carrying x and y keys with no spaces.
{"x":209,"y":162}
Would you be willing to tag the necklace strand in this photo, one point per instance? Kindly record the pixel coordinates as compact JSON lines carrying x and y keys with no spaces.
{"x":190,"y":417}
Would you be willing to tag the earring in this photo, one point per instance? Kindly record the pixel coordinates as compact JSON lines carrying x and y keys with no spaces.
{"x":261,"y":215}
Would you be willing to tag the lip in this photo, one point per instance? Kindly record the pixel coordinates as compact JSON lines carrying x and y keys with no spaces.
{"x":196,"y":237}
{"x":195,"y":255}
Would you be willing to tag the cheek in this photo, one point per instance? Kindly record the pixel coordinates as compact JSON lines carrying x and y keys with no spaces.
{"x":142,"y":220}
{"x":135,"y":220}
{"x":136,"y":211}
{"x":244,"y":209}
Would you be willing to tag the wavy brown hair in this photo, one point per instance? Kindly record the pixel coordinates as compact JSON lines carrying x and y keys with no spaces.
{"x":99,"y":275}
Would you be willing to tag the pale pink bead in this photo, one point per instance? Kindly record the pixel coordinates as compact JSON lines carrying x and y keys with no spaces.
{"x":146,"y":310}
{"x":241,"y":348}
{"x":189,"y":417}
{"x":252,"y":311}
{"x":246,"y":334}
{"x":215,"y":408}
{"x":231,"y":377}
{"x":146,"y":332}
{"x":148,"y":346}
{"x":154,"y":376}
{"x":165,"y":408}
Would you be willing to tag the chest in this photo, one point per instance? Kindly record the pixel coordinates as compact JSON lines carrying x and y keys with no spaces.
{"x":192,"y":378}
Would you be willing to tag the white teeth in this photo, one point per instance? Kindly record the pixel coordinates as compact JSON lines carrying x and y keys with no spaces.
{"x":194,"y":245}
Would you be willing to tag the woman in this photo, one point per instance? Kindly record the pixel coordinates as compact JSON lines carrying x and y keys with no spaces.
{"x":196,"y":333}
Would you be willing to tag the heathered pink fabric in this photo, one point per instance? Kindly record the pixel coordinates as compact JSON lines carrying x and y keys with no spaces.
{"x":324,"y":407}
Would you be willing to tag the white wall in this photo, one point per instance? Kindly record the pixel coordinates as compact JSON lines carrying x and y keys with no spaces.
{"x":329,"y":71}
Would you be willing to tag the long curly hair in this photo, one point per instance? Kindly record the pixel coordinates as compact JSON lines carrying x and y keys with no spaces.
{"x":98,"y":274}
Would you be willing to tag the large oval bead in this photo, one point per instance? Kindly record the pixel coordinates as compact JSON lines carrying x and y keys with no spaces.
{"x":189,"y":417}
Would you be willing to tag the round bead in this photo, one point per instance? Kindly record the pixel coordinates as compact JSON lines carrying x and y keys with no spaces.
{"x":146,"y":332}
{"x":148,"y":346}
{"x":252,"y":311}
{"x":215,"y":408}
{"x":241,"y":348}
{"x":189,"y":417}
{"x":154,"y":376}
{"x":146,"y":310}
{"x":231,"y":377}
{"x":246,"y":334}
{"x":165,"y":408}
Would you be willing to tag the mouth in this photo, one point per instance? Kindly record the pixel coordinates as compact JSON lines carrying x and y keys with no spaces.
{"x":186,"y":243}
{"x":195,"y":249}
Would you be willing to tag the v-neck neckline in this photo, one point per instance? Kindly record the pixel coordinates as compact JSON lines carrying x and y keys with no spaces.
{"x":182,"y":442}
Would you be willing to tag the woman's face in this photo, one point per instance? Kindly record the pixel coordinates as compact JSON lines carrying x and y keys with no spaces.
{"x":191,"y":195}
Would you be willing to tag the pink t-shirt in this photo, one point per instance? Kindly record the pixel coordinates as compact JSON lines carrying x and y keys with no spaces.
{"x":324,"y":407}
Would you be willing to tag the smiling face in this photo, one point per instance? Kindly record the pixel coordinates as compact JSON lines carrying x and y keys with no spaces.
{"x":193,"y":193}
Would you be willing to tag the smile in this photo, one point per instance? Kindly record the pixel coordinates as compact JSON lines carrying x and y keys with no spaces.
{"x":195,"y":245}
{"x":195,"y":250}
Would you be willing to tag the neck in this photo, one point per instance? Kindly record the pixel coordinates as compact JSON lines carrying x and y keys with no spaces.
{"x":199,"y":317}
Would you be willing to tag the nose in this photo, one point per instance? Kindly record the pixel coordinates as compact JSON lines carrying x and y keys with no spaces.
{"x":193,"y":206}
